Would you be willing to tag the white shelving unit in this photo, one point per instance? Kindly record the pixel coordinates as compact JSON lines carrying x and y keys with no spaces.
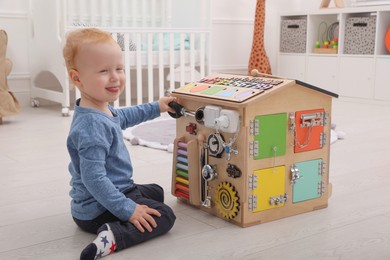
{"x":358,"y":75}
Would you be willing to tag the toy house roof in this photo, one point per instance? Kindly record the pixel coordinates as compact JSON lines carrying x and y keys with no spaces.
{"x":307,"y":85}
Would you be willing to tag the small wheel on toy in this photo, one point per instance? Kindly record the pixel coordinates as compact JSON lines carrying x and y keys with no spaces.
{"x":34,"y":103}
{"x":65,"y":111}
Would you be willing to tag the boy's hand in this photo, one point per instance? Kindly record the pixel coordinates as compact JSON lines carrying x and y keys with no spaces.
{"x":142,"y":218}
{"x":163,"y":104}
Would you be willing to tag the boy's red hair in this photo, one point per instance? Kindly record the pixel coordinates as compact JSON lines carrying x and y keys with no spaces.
{"x":75,"y":39}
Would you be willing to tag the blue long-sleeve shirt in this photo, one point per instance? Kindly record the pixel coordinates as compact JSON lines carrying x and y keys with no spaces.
{"x":100,"y":165}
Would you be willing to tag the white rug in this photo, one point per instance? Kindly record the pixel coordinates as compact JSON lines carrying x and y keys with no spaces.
{"x":160,"y":133}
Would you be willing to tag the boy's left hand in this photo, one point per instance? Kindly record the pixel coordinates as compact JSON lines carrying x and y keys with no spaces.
{"x":142,"y":218}
{"x":163,"y":104}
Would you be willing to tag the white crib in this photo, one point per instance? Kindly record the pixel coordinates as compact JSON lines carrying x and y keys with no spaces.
{"x":159,"y":53}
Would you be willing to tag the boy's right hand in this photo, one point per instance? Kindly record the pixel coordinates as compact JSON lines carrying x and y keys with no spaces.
{"x":163,"y":104}
{"x":142,"y":218}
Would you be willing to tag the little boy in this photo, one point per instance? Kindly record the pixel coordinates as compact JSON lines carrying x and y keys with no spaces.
{"x":105,"y":200}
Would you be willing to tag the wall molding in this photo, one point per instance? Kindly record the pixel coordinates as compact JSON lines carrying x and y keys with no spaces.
{"x":14,"y":15}
{"x":232,"y":21}
{"x":19,"y":76}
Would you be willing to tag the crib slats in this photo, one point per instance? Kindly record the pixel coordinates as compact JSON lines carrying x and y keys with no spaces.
{"x":171,"y":62}
{"x":111,"y":13}
{"x":134,"y":13}
{"x":168,"y":16}
{"x":144,"y":13}
{"x":153,"y":14}
{"x":192,"y":57}
{"x":123,"y":12}
{"x":150,"y":68}
{"x":182,"y":67}
{"x":127,"y":69}
{"x":202,"y":55}
{"x":160,"y":65}
{"x":139,"y":68}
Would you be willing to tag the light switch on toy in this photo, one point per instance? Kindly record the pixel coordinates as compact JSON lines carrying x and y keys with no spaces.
{"x":228,"y":121}
{"x":211,"y":113}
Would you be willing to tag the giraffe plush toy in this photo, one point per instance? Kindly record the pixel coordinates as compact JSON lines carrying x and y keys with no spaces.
{"x":258,"y":59}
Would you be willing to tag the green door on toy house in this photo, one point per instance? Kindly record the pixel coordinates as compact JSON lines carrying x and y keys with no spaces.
{"x":270,"y":135}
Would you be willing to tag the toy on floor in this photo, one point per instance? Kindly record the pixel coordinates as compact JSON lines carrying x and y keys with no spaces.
{"x":8,"y":103}
{"x":252,"y":149}
{"x":336,"y":135}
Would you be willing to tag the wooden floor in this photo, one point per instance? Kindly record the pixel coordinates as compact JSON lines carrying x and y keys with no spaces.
{"x":35,"y":221}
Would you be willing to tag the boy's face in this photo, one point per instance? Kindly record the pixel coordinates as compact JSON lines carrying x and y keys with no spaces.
{"x":100,"y":72}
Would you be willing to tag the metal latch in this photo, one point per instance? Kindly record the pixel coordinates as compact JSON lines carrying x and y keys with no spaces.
{"x":277,"y":200}
{"x":291,"y":117}
{"x":295,"y":175}
{"x":313,"y":119}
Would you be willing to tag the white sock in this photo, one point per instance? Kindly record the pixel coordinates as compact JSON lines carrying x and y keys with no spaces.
{"x":103,"y":245}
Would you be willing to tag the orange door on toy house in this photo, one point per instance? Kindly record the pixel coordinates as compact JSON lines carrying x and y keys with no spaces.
{"x":309,"y":131}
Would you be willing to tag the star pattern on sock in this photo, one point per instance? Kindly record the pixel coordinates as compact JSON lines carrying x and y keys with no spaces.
{"x":113,"y":246}
{"x":100,"y":254}
{"x":104,"y":240}
{"x":103,"y":245}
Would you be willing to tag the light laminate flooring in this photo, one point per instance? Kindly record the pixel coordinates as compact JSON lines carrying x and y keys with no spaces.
{"x":35,"y":221}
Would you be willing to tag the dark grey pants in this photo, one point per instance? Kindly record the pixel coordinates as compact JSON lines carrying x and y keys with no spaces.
{"x":125,"y":233}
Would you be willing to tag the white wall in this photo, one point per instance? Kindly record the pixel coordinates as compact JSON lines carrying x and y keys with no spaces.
{"x":232,"y":32}
{"x":232,"y":29}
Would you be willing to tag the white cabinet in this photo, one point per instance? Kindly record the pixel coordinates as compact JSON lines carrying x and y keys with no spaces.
{"x":292,"y":66}
{"x":323,"y":71}
{"x":358,"y":68}
{"x":382,"y":78}
{"x":357,"y":77}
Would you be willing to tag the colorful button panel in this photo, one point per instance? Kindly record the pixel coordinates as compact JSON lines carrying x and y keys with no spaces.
{"x":232,"y":88}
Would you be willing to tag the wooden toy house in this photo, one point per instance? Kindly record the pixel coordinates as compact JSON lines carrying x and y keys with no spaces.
{"x":252,"y":149}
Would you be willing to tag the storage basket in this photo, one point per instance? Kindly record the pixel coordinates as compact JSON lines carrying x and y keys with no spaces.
{"x":360,"y":35}
{"x":293,"y":35}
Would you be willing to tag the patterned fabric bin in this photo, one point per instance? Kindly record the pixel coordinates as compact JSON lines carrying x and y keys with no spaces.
{"x":293,"y":35}
{"x":360,"y":35}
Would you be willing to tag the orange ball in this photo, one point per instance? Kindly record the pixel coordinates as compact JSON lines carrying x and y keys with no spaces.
{"x":387,"y":40}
